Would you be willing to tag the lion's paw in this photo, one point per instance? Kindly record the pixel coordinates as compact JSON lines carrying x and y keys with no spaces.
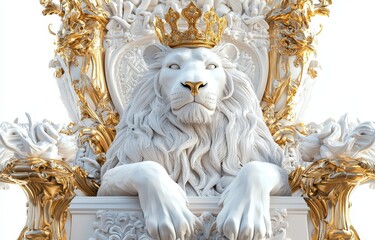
{"x":164,"y":205}
{"x":171,"y":224}
{"x":245,"y":213}
{"x":244,"y":223}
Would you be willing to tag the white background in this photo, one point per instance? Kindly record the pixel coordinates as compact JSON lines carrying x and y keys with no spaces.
{"x":346,"y":84}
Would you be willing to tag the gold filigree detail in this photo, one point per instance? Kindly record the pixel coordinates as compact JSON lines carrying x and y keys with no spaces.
{"x":49,"y":186}
{"x":326,"y":185}
{"x":295,"y":178}
{"x":192,"y":37}
{"x":50,"y":7}
{"x":80,"y":22}
{"x":99,"y":140}
{"x":291,"y":31}
{"x":292,"y":44}
{"x":312,"y":72}
{"x":86,"y":185}
{"x":59,"y":73}
{"x":287,"y":134}
{"x":79,"y":43}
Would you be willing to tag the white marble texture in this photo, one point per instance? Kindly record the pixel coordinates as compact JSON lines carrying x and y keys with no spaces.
{"x":194,"y":125}
{"x":36,"y":139}
{"x":341,"y":138}
{"x":119,"y":217}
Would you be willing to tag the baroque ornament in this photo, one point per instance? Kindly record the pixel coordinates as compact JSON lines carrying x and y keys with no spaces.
{"x":40,"y":140}
{"x":49,"y":186}
{"x":292,"y":67}
{"x":124,"y":28}
{"x":80,"y":70}
{"x":165,"y":141}
{"x":326,"y":185}
{"x":36,"y":156}
{"x":342,"y":156}
{"x":334,"y":139}
{"x":111,"y":225}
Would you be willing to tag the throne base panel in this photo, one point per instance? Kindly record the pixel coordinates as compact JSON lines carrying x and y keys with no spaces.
{"x":122,"y":218}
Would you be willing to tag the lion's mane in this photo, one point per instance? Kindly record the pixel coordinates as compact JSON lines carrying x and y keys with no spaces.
{"x":201,"y":158}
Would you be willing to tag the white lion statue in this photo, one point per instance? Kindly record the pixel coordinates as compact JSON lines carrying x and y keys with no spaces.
{"x":194,"y":127}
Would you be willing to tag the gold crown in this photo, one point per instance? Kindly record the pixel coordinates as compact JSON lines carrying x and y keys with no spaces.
{"x":191,"y":37}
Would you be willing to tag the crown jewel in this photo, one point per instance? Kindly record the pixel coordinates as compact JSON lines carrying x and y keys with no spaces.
{"x":192,"y":37}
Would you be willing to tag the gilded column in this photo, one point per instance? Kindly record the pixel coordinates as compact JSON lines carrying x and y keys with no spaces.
{"x":292,"y":48}
{"x":49,"y":186}
{"x":80,"y":74}
{"x":326,"y":185}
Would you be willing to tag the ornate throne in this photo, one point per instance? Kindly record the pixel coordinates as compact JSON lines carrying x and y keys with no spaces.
{"x":98,"y":61}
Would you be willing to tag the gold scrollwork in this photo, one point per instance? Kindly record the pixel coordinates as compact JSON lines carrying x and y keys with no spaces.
{"x":88,"y":186}
{"x":79,"y":43}
{"x":326,"y":186}
{"x":292,"y":43}
{"x":49,"y":186}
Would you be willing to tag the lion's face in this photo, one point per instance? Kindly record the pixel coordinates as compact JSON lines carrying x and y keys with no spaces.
{"x":193,"y":80}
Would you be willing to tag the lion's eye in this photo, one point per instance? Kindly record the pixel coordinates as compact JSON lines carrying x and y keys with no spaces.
{"x":211,"y":66}
{"x":174,"y":66}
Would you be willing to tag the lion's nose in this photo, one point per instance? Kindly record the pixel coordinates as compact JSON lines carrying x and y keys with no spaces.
{"x":194,"y":87}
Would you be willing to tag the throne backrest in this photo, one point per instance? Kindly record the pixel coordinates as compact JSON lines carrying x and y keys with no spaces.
{"x":99,"y":60}
{"x":129,"y":35}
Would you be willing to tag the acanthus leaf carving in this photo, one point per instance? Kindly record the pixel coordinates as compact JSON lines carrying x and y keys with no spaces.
{"x":131,"y":225}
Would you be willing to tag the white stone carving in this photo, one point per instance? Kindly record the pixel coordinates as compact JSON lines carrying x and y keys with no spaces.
{"x":197,"y":116}
{"x":279,"y":225}
{"x":41,"y":139}
{"x":5,"y":153}
{"x":84,"y":212}
{"x":333,"y":138}
{"x":130,"y":69}
{"x":130,"y":30}
{"x":303,"y":95}
{"x":70,"y":81}
{"x":116,"y":225}
{"x":66,"y":87}
{"x":86,"y":159}
{"x":131,"y":16}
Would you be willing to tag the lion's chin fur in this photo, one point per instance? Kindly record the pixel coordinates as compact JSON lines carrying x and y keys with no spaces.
{"x":193,"y":113}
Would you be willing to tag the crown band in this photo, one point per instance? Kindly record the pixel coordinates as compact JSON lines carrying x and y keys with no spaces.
{"x":191,"y":37}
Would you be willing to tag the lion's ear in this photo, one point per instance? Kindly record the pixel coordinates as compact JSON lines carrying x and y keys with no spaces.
{"x":229,"y":51}
{"x":151,"y":52}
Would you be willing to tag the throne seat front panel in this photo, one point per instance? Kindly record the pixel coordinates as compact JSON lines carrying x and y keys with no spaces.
{"x":121,"y":218}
